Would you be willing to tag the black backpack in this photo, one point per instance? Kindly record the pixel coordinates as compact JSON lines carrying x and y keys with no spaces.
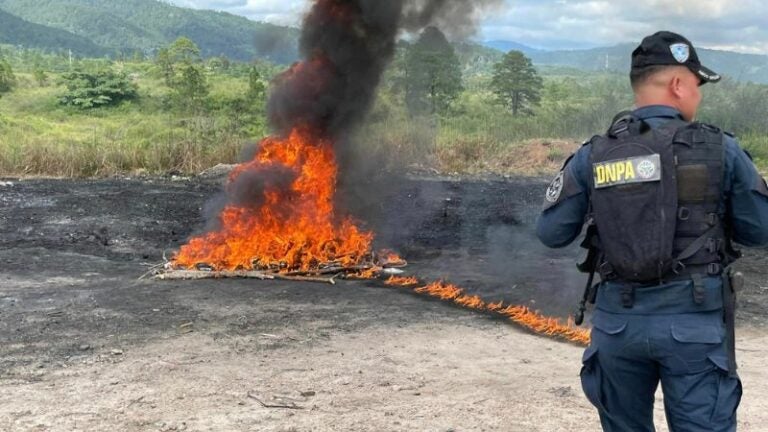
{"x":654,"y":197}
{"x":633,"y":198}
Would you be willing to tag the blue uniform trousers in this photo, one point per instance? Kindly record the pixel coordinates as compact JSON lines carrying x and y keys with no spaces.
{"x":631,"y":353}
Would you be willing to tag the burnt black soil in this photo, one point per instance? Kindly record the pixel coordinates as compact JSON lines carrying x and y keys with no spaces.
{"x":72,"y":252}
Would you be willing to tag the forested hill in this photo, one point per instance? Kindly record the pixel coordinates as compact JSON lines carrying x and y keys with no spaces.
{"x":127,"y":25}
{"x":16,"y":31}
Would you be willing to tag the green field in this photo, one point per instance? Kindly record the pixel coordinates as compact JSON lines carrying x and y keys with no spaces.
{"x":39,"y":136}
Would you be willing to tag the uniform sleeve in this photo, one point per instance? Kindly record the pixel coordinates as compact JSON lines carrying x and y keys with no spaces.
{"x":566,"y":203}
{"x":747,"y":206}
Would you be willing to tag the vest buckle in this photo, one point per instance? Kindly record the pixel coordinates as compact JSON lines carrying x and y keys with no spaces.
{"x":678,"y":268}
{"x":606,"y":270}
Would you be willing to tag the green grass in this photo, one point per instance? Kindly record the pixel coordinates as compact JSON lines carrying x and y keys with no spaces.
{"x":40,"y":137}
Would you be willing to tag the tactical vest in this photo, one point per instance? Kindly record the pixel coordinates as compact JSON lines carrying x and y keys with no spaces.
{"x":656,"y":201}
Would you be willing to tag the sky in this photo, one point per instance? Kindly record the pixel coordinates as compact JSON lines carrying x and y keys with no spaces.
{"x":736,"y":25}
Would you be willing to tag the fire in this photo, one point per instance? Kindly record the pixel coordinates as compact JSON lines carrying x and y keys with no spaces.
{"x":391,"y":259}
{"x":280,"y":214}
{"x":370,"y":273}
{"x":401,"y":281}
{"x":293,"y":227}
{"x":546,"y":325}
{"x":522,"y":315}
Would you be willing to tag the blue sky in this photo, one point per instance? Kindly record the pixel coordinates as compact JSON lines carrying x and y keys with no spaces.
{"x":738,"y":25}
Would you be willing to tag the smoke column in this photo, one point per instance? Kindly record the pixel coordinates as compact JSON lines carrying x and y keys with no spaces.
{"x":279,"y":208}
{"x":346,"y":45}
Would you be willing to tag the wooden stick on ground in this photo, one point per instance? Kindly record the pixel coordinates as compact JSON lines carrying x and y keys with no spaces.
{"x":329,"y":270}
{"x":236,"y":274}
{"x":196,"y":274}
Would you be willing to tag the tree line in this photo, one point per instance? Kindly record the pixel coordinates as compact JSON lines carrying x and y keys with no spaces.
{"x":427,"y":84}
{"x":430,"y":76}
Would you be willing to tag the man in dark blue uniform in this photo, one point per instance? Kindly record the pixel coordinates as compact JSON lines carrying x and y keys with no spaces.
{"x":664,"y":197}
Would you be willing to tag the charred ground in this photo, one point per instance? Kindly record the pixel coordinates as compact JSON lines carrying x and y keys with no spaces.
{"x":72,"y":253}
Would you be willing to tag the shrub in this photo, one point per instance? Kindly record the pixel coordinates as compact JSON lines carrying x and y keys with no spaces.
{"x":104,"y":88}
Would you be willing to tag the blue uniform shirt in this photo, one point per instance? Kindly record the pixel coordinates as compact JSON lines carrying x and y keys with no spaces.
{"x":745,"y":199}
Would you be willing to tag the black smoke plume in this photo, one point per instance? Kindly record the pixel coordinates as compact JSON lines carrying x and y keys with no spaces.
{"x":346,"y":45}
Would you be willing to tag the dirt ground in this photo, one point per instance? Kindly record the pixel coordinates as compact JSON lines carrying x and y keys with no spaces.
{"x":87,"y":346}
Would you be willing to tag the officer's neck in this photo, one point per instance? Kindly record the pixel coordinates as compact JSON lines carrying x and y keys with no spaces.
{"x":646,"y":100}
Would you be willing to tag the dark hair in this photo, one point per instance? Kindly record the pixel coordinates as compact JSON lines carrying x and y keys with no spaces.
{"x":640,"y":75}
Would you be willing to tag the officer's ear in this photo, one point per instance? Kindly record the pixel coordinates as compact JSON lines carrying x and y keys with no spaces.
{"x":676,"y":86}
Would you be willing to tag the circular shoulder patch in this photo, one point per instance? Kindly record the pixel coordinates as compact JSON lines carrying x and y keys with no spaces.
{"x":555,"y":188}
{"x":646,"y":169}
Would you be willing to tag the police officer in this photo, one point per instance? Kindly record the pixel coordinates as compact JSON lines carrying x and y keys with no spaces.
{"x":663,"y":197}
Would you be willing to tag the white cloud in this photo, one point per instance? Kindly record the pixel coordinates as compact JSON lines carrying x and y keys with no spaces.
{"x":584,"y":23}
{"x":734,"y":24}
{"x":286,"y":12}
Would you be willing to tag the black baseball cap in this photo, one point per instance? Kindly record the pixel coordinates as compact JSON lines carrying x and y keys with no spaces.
{"x":667,"y":48}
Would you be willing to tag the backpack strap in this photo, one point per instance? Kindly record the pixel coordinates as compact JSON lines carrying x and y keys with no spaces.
{"x":625,"y":123}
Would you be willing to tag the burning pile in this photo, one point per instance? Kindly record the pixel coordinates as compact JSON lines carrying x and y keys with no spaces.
{"x":280,"y":216}
{"x":291,"y":228}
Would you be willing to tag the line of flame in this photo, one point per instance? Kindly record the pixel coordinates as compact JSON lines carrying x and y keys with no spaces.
{"x":521,"y":315}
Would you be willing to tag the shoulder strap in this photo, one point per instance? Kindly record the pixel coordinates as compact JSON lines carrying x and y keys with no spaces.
{"x":625,"y":123}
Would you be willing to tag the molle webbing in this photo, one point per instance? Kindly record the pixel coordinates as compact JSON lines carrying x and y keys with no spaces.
{"x":699,"y":156}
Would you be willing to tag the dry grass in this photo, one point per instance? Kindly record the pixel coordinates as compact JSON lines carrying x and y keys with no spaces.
{"x":407,"y":143}
{"x":530,"y":157}
{"x":100,"y":149}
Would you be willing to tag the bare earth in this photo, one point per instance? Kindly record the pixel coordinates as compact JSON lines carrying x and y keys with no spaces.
{"x":85,"y":346}
{"x":460,"y":372}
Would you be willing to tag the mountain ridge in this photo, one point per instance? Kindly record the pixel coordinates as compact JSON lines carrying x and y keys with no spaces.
{"x":17,"y":31}
{"x":104,"y":27}
{"x":616,"y":58}
{"x":147,"y":25}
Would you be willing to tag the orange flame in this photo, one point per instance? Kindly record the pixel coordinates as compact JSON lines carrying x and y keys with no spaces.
{"x":389,"y":258}
{"x":370,"y":273}
{"x":520,"y":314}
{"x":401,"y":281}
{"x":292,"y":229}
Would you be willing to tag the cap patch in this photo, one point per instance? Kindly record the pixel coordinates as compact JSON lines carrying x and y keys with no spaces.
{"x":681,"y":52}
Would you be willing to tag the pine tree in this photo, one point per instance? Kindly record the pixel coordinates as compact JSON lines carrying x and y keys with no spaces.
{"x":516,"y":83}
{"x":433,"y":74}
